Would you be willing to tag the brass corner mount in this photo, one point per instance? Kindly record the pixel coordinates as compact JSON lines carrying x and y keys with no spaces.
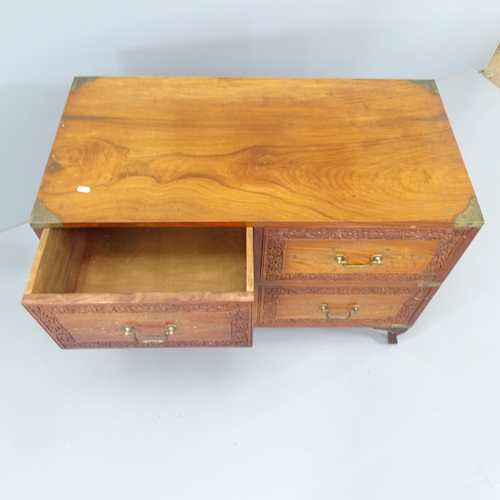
{"x":42,"y":217}
{"x":471,"y":216}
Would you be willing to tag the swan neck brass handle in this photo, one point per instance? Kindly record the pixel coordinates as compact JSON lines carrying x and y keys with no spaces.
{"x":375,"y":259}
{"x":169,"y":330}
{"x":352,"y":310}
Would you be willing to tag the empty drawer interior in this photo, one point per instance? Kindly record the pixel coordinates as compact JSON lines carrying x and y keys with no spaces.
{"x":136,"y":260}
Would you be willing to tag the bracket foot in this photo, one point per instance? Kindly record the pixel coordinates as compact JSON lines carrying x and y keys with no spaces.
{"x":392,"y":334}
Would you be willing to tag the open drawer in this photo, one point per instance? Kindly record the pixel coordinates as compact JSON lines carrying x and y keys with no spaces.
{"x":136,"y":287}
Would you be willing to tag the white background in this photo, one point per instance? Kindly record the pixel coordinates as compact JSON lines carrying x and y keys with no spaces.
{"x":306,"y":413}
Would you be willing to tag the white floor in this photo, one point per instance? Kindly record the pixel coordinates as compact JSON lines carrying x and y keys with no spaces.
{"x":304,"y":414}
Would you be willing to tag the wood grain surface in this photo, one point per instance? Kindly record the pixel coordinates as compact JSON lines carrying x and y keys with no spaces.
{"x":127,"y":260}
{"x":379,"y":307}
{"x":317,"y":256}
{"x":57,"y":262}
{"x":214,"y":151}
{"x":308,"y":254}
{"x":118,"y":260}
{"x":306,"y":306}
{"x":250,"y":269}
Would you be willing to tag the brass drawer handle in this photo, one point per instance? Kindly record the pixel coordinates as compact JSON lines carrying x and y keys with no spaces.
{"x":376,"y":259}
{"x":352,"y":310}
{"x":169,"y":330}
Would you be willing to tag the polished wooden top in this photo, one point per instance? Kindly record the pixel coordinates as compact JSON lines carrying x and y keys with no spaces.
{"x":252,"y":151}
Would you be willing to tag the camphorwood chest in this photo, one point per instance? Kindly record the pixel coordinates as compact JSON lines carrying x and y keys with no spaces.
{"x":181,"y":212}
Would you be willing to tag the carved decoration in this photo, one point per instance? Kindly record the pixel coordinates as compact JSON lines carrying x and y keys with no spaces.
{"x":239,"y":313}
{"x":275,"y":240}
{"x":403,"y":316}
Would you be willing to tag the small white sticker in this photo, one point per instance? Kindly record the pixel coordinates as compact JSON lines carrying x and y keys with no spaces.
{"x":83,"y":189}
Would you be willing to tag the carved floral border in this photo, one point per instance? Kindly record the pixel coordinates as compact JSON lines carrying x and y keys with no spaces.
{"x":239,"y":313}
{"x":275,"y":240}
{"x":270,"y":296}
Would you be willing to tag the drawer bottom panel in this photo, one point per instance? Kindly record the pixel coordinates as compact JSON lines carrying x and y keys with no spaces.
{"x":147,"y":325}
{"x":339,"y":306}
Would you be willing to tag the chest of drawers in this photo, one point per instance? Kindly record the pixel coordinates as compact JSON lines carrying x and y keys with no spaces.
{"x":182,"y":212}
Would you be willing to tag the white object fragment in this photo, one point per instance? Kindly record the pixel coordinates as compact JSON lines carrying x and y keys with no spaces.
{"x":83,"y":189}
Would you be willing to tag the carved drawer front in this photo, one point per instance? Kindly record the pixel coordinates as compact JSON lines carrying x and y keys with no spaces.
{"x":335,"y":306}
{"x":80,"y":325}
{"x":328,"y":254}
{"x":147,"y":328}
{"x":125,"y":287}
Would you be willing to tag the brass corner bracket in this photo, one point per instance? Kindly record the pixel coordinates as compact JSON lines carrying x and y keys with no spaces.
{"x":428,"y":84}
{"x":471,"y":216}
{"x":42,"y":217}
{"x":79,"y":81}
{"x":401,"y":326}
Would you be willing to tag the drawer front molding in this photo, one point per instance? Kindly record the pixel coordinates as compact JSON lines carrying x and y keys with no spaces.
{"x":275,"y":240}
{"x":239,"y":313}
{"x":270,"y":296}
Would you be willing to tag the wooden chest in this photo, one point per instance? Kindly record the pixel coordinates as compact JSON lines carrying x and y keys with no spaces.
{"x":181,"y":212}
